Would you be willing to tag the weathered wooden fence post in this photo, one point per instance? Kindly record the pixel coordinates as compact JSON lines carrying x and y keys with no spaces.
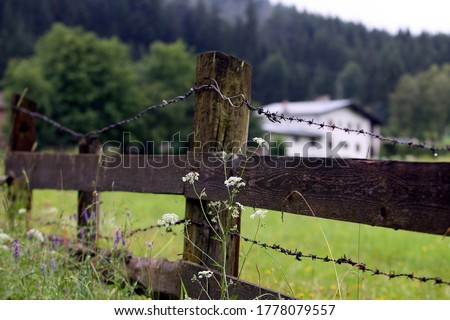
{"x":217,"y":127}
{"x":88,"y":200}
{"x":22,"y":138}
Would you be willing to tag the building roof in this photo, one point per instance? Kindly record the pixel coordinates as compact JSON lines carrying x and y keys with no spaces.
{"x":311,"y":108}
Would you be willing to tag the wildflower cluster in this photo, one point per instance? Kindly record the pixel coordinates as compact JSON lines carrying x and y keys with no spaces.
{"x":16,"y":248}
{"x":260,"y":213}
{"x":261,"y":142}
{"x":36,"y":234}
{"x":234,"y":182}
{"x":4,"y":237}
{"x":168,"y":219}
{"x":207,"y":274}
{"x":118,"y":237}
{"x":191,"y":177}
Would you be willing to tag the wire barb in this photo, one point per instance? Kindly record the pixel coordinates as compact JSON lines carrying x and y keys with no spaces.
{"x":274,"y":117}
{"x":298,"y":255}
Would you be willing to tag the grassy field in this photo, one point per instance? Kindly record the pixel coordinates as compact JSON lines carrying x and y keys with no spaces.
{"x":383,"y":249}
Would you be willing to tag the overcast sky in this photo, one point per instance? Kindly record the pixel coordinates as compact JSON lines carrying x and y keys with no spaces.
{"x":432,"y":16}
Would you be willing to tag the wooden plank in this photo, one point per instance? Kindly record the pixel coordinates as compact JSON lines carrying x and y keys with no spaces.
{"x":165,"y":279}
{"x":133,"y":173}
{"x":23,"y":133}
{"x":217,"y":127}
{"x":89,"y":198}
{"x":22,"y":138}
{"x":400,"y":195}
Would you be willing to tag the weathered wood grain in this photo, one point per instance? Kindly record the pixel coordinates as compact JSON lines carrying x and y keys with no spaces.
{"x":22,"y":138}
{"x":400,"y":195}
{"x":23,"y":133}
{"x":88,"y":201}
{"x":89,"y":172}
{"x":165,"y":279}
{"x":217,"y":127}
{"x":411,"y":196}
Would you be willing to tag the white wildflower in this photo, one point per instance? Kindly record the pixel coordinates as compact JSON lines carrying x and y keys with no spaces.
{"x":4,"y":238}
{"x":240,"y":206}
{"x":207,"y":274}
{"x":260,"y":213}
{"x":235,"y":182}
{"x":168,"y":219}
{"x":22,"y":211}
{"x":33,"y":233}
{"x":261,"y":142}
{"x":236,"y":210}
{"x":191,"y":177}
{"x":226,"y":156}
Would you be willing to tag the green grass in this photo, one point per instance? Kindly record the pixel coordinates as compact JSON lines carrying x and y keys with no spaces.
{"x":383,"y":249}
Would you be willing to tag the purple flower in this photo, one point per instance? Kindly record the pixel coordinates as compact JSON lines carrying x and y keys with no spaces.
{"x":43,"y":269}
{"x":86,"y":215}
{"x":55,"y":243}
{"x":16,"y":248}
{"x":123,"y":238}
{"x":117,"y":238}
{"x":53,"y":264}
{"x":82,"y":232}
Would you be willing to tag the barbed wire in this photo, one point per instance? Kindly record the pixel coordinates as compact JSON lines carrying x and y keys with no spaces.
{"x":298,"y":255}
{"x":277,"y":117}
{"x":137,"y":116}
{"x":113,"y":125}
{"x":50,"y":121}
{"x":274,"y":117}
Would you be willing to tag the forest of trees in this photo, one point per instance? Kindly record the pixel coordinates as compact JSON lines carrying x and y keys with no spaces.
{"x":295,"y":55}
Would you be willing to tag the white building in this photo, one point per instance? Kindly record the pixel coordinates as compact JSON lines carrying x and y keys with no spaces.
{"x":301,"y":139}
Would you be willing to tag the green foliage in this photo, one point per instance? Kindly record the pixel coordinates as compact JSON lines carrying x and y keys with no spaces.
{"x":419,"y":104}
{"x":78,"y":79}
{"x":380,"y":248}
{"x":166,"y":71}
{"x":350,"y":81}
{"x":32,"y":269}
{"x":295,"y":56}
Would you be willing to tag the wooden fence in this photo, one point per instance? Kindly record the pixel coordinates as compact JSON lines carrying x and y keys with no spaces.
{"x":399,"y":195}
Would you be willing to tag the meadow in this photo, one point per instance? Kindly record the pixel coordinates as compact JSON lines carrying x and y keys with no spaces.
{"x":379,"y":248}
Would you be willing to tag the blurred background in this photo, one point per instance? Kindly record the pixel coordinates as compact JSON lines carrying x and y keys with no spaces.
{"x":88,"y":63}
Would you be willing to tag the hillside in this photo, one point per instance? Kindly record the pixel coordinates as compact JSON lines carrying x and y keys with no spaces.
{"x":295,"y":55}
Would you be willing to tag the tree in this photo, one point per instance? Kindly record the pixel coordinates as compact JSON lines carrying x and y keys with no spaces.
{"x":350,"y":81}
{"x":419,"y":104}
{"x":273,"y":79}
{"x":166,"y":71}
{"x":80,"y":80}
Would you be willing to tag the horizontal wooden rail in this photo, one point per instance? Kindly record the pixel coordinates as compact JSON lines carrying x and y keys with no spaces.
{"x":411,"y":196}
